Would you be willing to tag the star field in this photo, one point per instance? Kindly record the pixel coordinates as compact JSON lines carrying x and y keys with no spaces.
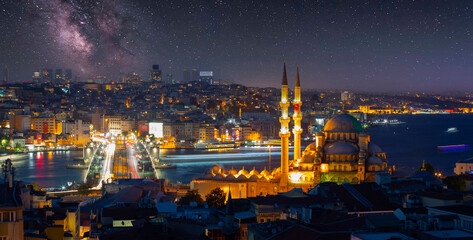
{"x":353,"y":45}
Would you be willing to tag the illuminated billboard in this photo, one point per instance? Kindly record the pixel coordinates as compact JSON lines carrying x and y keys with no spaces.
{"x":156,"y":129}
{"x":206,"y":73}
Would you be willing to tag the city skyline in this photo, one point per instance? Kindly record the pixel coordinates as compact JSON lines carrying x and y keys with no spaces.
{"x":375,"y":46}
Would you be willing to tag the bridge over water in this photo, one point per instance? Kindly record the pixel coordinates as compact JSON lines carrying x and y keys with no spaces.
{"x":118,"y":159}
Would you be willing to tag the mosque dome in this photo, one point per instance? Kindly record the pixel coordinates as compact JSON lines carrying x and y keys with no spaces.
{"x":373,"y":148}
{"x":208,"y":176}
{"x":216,"y":168}
{"x":311,"y":147}
{"x":343,"y":123}
{"x":232,"y":172}
{"x":254,"y":172}
{"x":243,"y":171}
{"x":341,"y":148}
{"x":264,"y":173}
{"x":373,"y":160}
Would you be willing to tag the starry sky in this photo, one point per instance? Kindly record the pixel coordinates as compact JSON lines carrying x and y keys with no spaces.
{"x":347,"y":45}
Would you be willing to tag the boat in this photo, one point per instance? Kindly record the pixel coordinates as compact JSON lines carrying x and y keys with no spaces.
{"x":76,"y":166}
{"x":166,"y":166}
{"x":213,"y":144}
{"x":454,"y":147}
{"x":385,"y":121}
{"x":452,"y":130}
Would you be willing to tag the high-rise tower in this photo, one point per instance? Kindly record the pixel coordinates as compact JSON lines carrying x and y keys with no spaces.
{"x":284,"y":133}
{"x":6,"y":75}
{"x":297,"y":117}
{"x":155,"y":74}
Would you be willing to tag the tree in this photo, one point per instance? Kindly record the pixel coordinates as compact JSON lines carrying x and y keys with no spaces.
{"x":428,"y":167}
{"x":456,"y":183}
{"x":216,"y":198}
{"x":191,"y":196}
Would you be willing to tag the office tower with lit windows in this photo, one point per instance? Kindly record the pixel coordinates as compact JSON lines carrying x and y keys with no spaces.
{"x":36,"y":77}
{"x":58,"y":75}
{"x":206,"y":77}
{"x":68,"y":75}
{"x":155,"y":74}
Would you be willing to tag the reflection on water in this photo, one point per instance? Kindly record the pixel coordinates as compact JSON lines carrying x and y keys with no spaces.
{"x":48,"y":169}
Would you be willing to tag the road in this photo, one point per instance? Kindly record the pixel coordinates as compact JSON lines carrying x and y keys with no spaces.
{"x":133,"y":162}
{"x":117,"y":160}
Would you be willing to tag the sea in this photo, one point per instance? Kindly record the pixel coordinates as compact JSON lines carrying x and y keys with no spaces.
{"x":406,"y":145}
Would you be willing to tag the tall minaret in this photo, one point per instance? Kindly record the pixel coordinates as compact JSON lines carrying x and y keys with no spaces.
{"x":284,"y":133}
{"x":297,"y":117}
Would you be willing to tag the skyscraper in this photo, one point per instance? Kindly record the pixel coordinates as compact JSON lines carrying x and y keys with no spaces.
{"x":195,"y":74}
{"x":155,"y":74}
{"x":36,"y":77}
{"x":47,"y":75}
{"x":170,"y":79}
{"x":68,"y":75}
{"x":58,"y":76}
{"x":206,"y":77}
{"x":5,"y":75}
{"x":186,"y":76}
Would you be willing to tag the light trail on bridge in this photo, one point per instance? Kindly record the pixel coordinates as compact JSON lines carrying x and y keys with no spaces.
{"x":106,"y":172}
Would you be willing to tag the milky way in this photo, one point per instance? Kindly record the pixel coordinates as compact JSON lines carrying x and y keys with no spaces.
{"x":368,"y":45}
{"x":92,"y":38}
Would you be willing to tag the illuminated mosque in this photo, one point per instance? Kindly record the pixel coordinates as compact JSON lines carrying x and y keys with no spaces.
{"x":341,"y":153}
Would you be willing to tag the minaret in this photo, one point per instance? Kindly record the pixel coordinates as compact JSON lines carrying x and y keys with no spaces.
{"x":284,"y":133}
{"x":297,"y":117}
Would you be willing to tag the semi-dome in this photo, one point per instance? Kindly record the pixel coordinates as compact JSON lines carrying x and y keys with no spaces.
{"x":343,"y":123}
{"x":373,"y":160}
{"x":373,"y":148}
{"x":341,"y":148}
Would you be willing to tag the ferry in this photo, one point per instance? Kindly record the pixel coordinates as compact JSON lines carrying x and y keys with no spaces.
{"x":452,"y":130}
{"x":382,"y":122}
{"x":214,"y":144}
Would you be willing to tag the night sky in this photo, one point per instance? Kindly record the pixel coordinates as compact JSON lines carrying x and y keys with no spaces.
{"x":346,"y":45}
